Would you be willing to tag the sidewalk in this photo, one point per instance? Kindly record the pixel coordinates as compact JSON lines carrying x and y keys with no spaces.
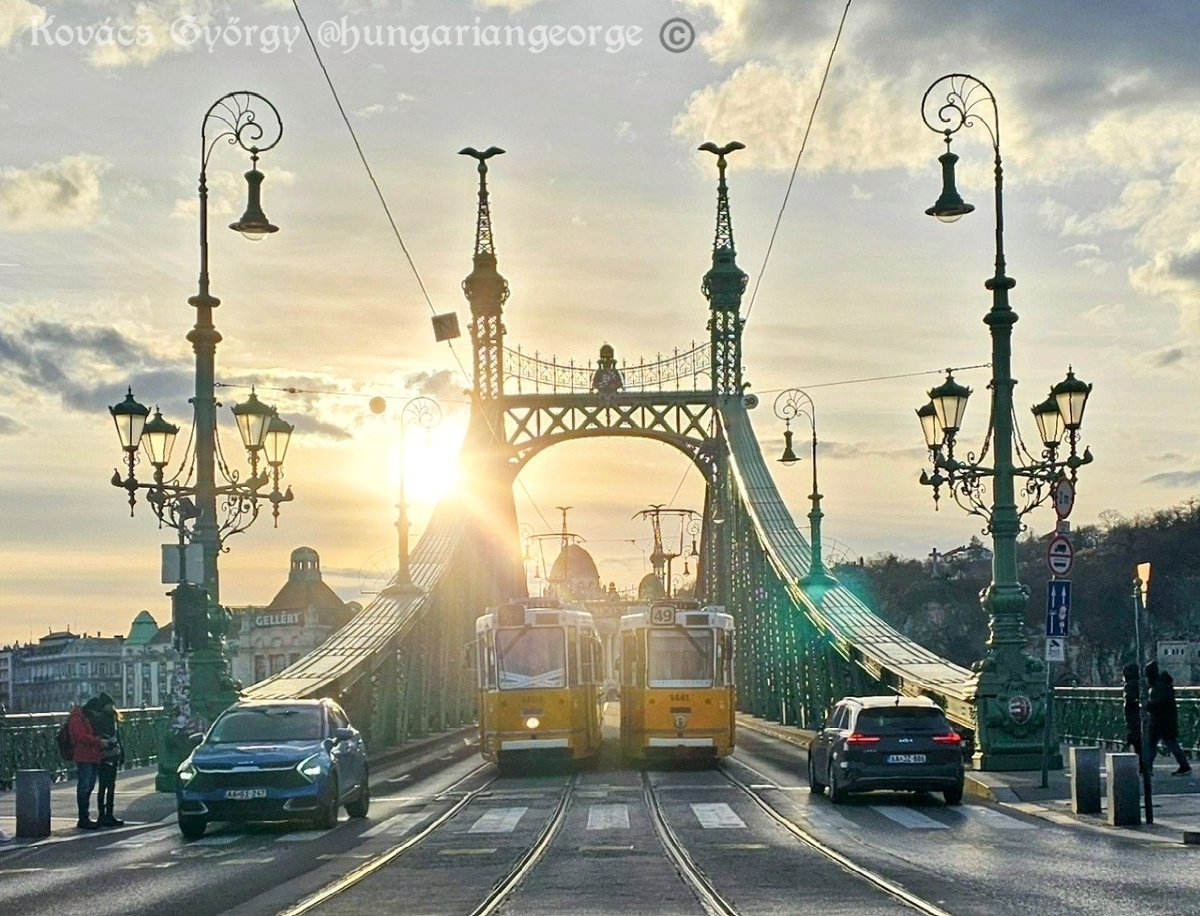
{"x":135,"y":802}
{"x":1176,"y":801}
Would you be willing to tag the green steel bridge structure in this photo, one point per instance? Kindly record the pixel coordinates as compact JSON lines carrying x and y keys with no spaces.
{"x":804,"y":640}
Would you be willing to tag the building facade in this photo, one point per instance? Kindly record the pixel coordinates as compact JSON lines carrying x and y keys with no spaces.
{"x":265,"y":640}
{"x":1181,"y":658}
{"x":6,"y":654}
{"x":147,"y":660}
{"x":64,"y":669}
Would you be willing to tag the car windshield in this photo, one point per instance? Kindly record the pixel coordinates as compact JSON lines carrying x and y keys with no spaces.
{"x":680,"y":658}
{"x":902,"y":720}
{"x":268,"y":724}
{"x":531,"y":657}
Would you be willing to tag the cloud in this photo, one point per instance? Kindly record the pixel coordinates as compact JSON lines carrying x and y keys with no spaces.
{"x":227,"y":193}
{"x":1174,"y":479}
{"x":513,"y":6}
{"x":1105,"y":315}
{"x":441,"y":384}
{"x":17,"y":17}
{"x":1165,"y":357}
{"x":52,"y":195}
{"x":9,"y":426}
{"x":369,"y":111}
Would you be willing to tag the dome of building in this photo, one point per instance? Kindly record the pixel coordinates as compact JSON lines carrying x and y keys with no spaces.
{"x":142,"y":630}
{"x":650,"y":588}
{"x":574,"y":574}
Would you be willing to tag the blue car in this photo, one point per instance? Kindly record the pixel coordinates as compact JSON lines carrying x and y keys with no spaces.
{"x":269,"y":760}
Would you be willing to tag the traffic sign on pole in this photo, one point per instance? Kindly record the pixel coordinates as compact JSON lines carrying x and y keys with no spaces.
{"x":1060,"y":555}
{"x":1056,"y":649}
{"x":1058,"y":608}
{"x":1063,"y":494}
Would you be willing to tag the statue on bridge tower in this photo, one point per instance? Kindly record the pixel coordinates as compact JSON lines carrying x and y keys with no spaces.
{"x":486,"y":290}
{"x":607,"y":380}
{"x":723,"y":287}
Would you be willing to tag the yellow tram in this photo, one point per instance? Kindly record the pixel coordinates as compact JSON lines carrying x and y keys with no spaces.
{"x":677,"y":691}
{"x":540,"y":677}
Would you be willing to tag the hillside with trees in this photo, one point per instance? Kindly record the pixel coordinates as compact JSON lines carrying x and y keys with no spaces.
{"x":936,"y":600}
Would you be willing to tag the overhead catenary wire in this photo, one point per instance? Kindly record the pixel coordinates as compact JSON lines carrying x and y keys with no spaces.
{"x":796,"y":165}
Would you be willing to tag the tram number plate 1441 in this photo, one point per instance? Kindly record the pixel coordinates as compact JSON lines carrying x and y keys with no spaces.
{"x":906,"y":758}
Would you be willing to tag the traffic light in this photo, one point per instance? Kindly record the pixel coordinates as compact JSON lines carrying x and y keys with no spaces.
{"x":189,"y":609}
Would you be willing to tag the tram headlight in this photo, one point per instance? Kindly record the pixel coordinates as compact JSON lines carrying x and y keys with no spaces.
{"x":532,"y":722}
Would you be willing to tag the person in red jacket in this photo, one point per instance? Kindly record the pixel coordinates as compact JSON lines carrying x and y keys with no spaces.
{"x":87,"y":752}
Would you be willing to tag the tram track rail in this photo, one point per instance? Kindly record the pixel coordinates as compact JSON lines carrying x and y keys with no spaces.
{"x":504,"y":888}
{"x":919,"y":904}
{"x":370,"y":867}
{"x":711,"y":900}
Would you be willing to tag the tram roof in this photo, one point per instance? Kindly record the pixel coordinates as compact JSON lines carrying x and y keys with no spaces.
{"x":539,"y":617}
{"x":711,"y":616}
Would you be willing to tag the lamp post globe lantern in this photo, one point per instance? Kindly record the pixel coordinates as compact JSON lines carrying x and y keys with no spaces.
{"x":203,"y":500}
{"x":1009,"y":679}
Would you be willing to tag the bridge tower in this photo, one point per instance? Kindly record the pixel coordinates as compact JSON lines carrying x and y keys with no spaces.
{"x":723,"y":287}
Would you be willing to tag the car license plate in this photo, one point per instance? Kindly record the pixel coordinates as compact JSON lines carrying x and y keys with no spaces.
{"x":244,"y":794}
{"x":906,"y":758}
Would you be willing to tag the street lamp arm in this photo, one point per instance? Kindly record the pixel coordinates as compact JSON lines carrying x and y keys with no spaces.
{"x":236,"y":120}
{"x":964,"y":96}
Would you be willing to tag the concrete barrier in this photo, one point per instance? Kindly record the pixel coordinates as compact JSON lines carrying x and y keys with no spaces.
{"x":1124,"y":790}
{"x":33,"y":803}
{"x":1085,"y":780}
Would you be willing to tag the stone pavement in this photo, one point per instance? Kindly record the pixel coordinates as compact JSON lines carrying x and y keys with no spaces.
{"x":1176,"y":800}
{"x":135,"y":802}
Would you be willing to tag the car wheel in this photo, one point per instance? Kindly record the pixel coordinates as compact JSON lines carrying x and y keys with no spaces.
{"x":192,"y":828}
{"x":815,"y":785}
{"x":837,"y":794}
{"x":362,"y":801}
{"x":327,"y":814}
{"x":953,"y":795}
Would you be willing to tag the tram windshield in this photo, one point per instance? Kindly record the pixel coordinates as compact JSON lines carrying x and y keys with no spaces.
{"x":531,"y":658}
{"x":680,"y":658}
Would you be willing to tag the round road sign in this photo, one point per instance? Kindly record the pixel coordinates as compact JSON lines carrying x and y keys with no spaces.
{"x":1060,"y":555}
{"x":1063,"y":493}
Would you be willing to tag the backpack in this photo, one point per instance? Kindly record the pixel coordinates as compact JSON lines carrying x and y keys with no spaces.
{"x":66,"y":747}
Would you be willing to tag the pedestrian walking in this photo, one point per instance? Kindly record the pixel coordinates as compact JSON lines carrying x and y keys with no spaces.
{"x":112,"y":755}
{"x":86,"y":752}
{"x":1133,"y":711}
{"x":1164,"y":718}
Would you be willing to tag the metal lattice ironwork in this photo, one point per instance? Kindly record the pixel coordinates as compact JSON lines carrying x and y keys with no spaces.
{"x":685,"y":370}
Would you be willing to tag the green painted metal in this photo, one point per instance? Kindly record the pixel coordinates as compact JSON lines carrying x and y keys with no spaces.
{"x":1095,"y":715}
{"x":27,"y":742}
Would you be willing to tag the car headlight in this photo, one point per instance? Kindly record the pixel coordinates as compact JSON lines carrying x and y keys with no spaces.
{"x":310,"y":767}
{"x":186,"y":772}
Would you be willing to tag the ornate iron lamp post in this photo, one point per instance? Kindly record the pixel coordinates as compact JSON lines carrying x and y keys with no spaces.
{"x":426,"y":414}
{"x":203,"y":511}
{"x":1011,"y":699}
{"x":789,"y":404}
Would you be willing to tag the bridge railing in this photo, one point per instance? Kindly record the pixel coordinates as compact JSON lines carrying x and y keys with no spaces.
{"x":688,"y":370}
{"x":1095,"y":715}
{"x":27,"y":741}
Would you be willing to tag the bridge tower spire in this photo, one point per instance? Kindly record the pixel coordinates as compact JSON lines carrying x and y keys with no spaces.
{"x":723,"y":287}
{"x":486,"y":290}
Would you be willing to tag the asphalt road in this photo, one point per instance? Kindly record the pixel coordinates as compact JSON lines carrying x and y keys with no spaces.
{"x":605,"y":855}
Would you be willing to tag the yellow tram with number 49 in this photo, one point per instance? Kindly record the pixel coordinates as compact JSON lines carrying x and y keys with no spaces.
{"x":677,"y":691}
{"x":539,"y":677}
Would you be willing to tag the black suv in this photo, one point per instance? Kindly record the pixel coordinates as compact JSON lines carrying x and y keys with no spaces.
{"x":891,"y":742}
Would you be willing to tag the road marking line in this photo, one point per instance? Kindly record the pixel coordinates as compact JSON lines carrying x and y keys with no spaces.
{"x":716,"y":816}
{"x":626,"y":848}
{"x":345,"y":855}
{"x":137,"y":866}
{"x":306,"y":837}
{"x":221,"y":839}
{"x":741,"y":846}
{"x":468,"y":852}
{"x":993,"y":818}
{"x":395,"y":826}
{"x":144,"y":839}
{"x":608,"y":817}
{"x":21,"y":871}
{"x":907,"y":817}
{"x":260,"y":860}
{"x":498,"y":820}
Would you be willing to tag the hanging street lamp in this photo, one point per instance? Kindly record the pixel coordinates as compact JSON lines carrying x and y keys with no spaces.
{"x":1011,"y":701}
{"x":204,"y":510}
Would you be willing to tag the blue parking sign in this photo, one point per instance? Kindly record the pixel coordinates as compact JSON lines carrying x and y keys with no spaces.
{"x":1058,"y":608}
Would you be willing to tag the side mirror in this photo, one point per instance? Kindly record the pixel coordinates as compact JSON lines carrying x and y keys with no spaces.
{"x":196,"y":740}
{"x":343,"y":734}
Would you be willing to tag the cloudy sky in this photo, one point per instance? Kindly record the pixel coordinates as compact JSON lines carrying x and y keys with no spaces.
{"x":603,"y":218}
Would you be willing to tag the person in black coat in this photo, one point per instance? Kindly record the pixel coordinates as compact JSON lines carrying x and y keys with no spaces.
{"x":1164,"y":718}
{"x":105,"y":722}
{"x":1133,"y":710}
